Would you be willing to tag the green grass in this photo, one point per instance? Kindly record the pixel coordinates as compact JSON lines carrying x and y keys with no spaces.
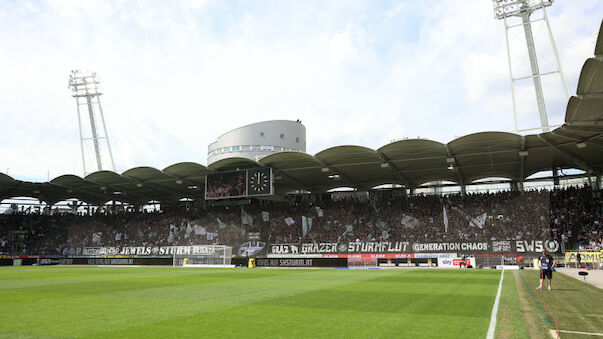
{"x":180,"y":302}
{"x":574,"y":305}
{"x":112,"y":302}
{"x":511,"y":323}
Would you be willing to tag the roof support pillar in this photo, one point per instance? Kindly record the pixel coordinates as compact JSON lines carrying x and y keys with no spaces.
{"x":516,"y":186}
{"x":412,"y":190}
{"x":463,"y":190}
{"x":522,"y":160}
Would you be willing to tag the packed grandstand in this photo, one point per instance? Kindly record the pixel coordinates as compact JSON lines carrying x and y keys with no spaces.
{"x":573,"y":217}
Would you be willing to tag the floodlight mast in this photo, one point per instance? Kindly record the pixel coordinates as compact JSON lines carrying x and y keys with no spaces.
{"x":504,"y":9}
{"x":85,"y":90}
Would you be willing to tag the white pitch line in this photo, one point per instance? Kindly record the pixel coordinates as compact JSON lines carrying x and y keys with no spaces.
{"x":554,"y":333}
{"x":492,"y":327}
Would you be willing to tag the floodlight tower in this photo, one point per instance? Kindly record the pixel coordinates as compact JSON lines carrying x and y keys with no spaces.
{"x":503,"y":9}
{"x":85,"y":90}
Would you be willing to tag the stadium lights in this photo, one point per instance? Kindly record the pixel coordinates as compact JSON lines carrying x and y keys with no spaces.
{"x":179,"y":182}
{"x":581,"y":144}
{"x":117,"y":193}
{"x":507,"y":8}
{"x":334,"y":176}
{"x":325,"y":169}
{"x":139,"y":185}
{"x":450,"y":160}
{"x":523,"y":153}
{"x":384,"y":165}
{"x":192,"y":187}
{"x":450,"y":167}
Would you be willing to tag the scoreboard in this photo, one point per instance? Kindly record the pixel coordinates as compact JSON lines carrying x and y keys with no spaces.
{"x":237,"y":184}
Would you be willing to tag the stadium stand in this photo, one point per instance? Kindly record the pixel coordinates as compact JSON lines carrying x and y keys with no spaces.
{"x":571,"y":216}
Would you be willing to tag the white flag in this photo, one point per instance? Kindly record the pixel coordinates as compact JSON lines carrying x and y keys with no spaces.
{"x":200,"y":230}
{"x":189,"y":229}
{"x":445,"y":220}
{"x":319,"y":212}
{"x":96,"y":237}
{"x":306,"y":225}
{"x":210,"y":236}
{"x":478,"y":221}
{"x":409,"y":222}
{"x":385,"y":235}
{"x":265,"y":216}
{"x":117,"y":236}
{"x":289,"y":221}
{"x":171,"y":235}
{"x":246,"y":219}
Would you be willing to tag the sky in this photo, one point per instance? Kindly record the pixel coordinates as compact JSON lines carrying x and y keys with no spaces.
{"x":175,"y":75}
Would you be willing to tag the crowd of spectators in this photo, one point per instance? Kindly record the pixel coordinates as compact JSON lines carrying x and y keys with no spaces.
{"x":573,"y":216}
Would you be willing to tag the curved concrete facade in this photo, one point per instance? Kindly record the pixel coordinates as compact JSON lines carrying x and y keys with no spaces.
{"x":258,"y":140}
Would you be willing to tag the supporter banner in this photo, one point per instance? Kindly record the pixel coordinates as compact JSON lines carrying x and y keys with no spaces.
{"x":494,"y":246}
{"x":585,"y":257}
{"x":333,"y":247}
{"x":250,"y":248}
{"x":523,"y":246}
{"x":104,"y":261}
{"x":455,"y":262}
{"x":501,"y":246}
{"x":301,"y":262}
{"x":149,"y":250}
{"x":451,"y":246}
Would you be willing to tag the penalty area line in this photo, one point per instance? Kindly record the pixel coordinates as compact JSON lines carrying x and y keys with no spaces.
{"x":492,"y":327}
{"x":554,"y":333}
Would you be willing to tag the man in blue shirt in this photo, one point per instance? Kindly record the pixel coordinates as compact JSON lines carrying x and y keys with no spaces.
{"x":546,"y":263}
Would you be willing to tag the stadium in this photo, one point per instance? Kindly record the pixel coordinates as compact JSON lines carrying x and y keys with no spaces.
{"x":413,"y":239}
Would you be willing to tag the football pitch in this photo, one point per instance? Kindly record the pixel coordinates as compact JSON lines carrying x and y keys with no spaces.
{"x":113,"y":302}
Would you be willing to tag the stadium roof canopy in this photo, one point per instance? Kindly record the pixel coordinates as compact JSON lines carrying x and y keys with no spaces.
{"x":411,"y":162}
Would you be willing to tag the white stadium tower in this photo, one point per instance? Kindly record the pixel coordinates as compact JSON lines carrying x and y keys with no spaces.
{"x":255,"y":141}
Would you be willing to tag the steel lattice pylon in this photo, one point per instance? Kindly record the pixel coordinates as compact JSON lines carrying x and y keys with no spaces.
{"x":85,"y":90}
{"x":504,"y":9}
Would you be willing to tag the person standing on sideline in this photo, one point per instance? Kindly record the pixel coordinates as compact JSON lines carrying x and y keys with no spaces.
{"x":546,"y":263}
{"x":463,"y":261}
